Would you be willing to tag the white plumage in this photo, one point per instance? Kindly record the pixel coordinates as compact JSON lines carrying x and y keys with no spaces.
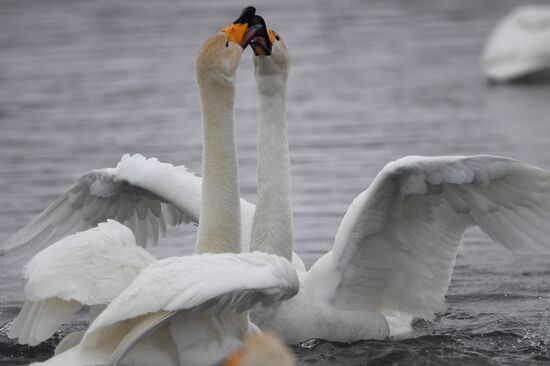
{"x":146,"y":195}
{"x":206,"y":293}
{"x":398,"y":241}
{"x":395,"y":249}
{"x":519,"y":45}
{"x":200,"y":279}
{"x":88,"y":268}
{"x":142,"y":193}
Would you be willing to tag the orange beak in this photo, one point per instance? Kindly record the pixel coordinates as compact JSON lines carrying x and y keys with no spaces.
{"x":235,"y":358}
{"x":239,"y":31}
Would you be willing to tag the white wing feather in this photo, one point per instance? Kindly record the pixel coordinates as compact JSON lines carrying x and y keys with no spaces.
{"x":91,"y":267}
{"x":200,"y":282}
{"x":38,"y":321}
{"x":87,"y":268}
{"x":396,"y":246}
{"x":141,"y":193}
{"x":144,"y":194}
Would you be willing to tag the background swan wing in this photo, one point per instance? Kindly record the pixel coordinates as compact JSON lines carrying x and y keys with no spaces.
{"x":396,"y":246}
{"x":87,"y":268}
{"x":144,"y":194}
{"x":207,"y":282}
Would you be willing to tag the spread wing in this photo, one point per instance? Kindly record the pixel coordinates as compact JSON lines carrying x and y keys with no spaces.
{"x":144,"y":194}
{"x":396,"y":246}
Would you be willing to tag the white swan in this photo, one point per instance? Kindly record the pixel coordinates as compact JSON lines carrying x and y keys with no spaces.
{"x":95,"y":256}
{"x":194,"y":305}
{"x":519,"y":45}
{"x":395,"y":249}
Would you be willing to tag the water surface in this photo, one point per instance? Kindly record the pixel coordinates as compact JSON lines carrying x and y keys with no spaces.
{"x":83,"y":82}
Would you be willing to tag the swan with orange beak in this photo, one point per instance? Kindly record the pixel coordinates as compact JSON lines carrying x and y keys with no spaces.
{"x":396,"y":246}
{"x":192,"y":310}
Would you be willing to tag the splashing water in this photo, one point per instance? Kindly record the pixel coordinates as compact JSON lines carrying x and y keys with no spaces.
{"x":5,"y":328}
{"x":539,"y":338}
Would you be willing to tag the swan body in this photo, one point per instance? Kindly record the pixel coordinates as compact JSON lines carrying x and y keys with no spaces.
{"x":88,"y":268}
{"x":519,"y":45}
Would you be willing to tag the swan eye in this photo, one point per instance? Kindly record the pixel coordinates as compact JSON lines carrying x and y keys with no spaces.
{"x":226,"y":44}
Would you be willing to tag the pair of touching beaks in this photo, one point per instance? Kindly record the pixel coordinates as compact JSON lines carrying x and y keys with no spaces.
{"x":250,"y":29}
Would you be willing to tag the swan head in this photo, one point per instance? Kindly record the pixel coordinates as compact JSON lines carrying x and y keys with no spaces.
{"x":262,"y":349}
{"x":271,"y":61}
{"x":219,"y":55}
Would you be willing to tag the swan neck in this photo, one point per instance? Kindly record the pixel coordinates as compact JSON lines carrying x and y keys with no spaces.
{"x":219,"y":229}
{"x":272,"y":223}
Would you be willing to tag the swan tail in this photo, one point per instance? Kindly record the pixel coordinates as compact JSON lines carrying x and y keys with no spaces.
{"x":38,"y":321}
{"x":145,"y":326}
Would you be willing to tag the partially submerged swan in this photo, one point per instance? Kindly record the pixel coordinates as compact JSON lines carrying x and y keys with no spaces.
{"x":395,"y":249}
{"x":192,"y":310}
{"x":520,"y":45}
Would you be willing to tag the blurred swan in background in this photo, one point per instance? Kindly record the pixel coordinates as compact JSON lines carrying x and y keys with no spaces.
{"x":261,"y":349}
{"x":520,"y":45}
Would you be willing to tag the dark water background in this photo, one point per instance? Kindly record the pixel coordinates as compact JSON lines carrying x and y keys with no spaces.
{"x":82,"y":82}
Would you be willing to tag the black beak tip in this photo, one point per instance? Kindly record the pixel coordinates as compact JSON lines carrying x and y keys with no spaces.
{"x":265,"y":42}
{"x":246,"y":15}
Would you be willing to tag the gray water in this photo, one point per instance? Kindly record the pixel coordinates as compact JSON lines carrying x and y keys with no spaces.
{"x":82,"y":82}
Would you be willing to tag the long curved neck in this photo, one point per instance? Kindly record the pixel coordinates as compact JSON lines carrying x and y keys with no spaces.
{"x":219,"y":229}
{"x":272,"y":224}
